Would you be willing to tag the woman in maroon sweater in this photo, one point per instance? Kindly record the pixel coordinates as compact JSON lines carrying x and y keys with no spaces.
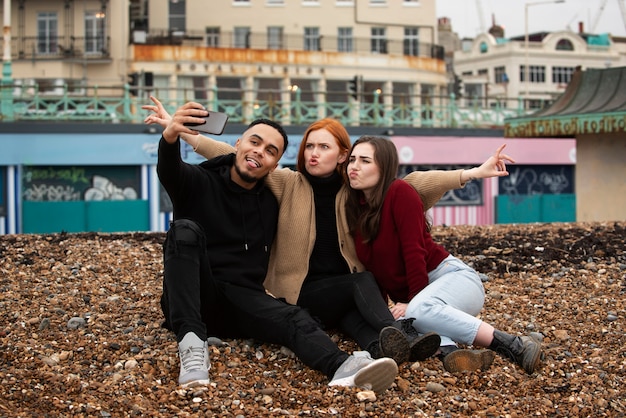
{"x":392,"y":237}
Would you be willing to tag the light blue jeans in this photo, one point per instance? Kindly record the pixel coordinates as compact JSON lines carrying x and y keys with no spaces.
{"x":450,"y":303}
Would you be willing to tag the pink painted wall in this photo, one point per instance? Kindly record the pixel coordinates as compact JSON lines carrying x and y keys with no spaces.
{"x":473,"y":151}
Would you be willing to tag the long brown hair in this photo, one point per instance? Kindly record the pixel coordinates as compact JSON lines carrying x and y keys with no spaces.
{"x":341,"y":136}
{"x":365,"y":217}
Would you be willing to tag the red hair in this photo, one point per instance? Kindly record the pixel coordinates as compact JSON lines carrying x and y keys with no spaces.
{"x":340,"y":134}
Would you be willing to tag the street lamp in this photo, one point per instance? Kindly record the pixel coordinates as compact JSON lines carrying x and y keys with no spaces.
{"x":526,"y":69}
{"x":6,"y":97}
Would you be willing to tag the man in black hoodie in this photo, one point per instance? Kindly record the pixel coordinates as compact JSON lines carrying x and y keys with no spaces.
{"x":216,"y":254}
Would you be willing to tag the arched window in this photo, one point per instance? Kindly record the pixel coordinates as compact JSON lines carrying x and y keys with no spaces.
{"x":483,"y":47}
{"x":564,"y":45}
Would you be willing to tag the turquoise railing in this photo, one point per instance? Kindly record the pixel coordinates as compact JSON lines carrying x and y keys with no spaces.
{"x":117,"y":105}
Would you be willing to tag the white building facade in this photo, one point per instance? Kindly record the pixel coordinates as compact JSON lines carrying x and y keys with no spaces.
{"x":495,"y":68}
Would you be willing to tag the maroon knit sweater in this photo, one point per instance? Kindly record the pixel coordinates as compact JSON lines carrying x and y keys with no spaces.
{"x":403,"y":253}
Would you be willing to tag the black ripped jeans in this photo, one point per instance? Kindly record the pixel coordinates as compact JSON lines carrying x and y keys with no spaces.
{"x":351,"y":302}
{"x":194,"y":300}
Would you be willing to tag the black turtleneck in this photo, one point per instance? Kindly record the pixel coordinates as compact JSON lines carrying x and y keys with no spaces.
{"x":326,"y":259}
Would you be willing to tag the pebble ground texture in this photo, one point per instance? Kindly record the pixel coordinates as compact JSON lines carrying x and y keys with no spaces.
{"x":80,"y":335}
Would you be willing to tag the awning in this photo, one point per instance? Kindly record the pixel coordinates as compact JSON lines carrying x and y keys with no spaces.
{"x":593,"y":103}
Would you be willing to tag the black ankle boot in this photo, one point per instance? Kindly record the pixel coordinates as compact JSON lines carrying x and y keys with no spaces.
{"x":421,"y":346}
{"x":525,"y":351}
{"x":374,"y":350}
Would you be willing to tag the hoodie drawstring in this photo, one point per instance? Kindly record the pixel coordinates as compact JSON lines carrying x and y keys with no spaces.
{"x":258,"y":203}
{"x":243,"y":222}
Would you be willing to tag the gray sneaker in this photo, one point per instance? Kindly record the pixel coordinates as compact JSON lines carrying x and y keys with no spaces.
{"x":362,"y":371}
{"x":194,"y":361}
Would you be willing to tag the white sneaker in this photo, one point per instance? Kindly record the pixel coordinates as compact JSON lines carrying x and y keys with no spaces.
{"x":194,"y":361}
{"x":361,"y":371}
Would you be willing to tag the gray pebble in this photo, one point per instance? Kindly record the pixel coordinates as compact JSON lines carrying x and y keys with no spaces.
{"x":76,"y":322}
{"x":216,"y":342}
{"x":45,"y":324}
{"x":434,"y":387}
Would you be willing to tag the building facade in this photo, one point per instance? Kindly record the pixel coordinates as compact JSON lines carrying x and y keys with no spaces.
{"x":67,"y":43}
{"x":372,"y":64}
{"x":352,"y":53}
{"x":494,"y":68}
{"x":248,"y":55}
{"x":593,"y":111}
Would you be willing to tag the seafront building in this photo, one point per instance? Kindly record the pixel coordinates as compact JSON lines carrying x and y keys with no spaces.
{"x":379,"y":66}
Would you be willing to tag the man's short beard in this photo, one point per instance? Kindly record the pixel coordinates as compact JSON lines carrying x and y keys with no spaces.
{"x":244,"y":176}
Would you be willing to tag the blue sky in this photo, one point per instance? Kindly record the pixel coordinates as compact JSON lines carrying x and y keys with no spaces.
{"x":541,"y":17}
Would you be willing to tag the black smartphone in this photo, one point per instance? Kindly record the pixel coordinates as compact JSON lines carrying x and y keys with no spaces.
{"x":214,"y":123}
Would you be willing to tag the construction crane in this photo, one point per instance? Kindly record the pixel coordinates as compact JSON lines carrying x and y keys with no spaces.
{"x":622,"y":8}
{"x":481,"y":18}
{"x":569,"y":23}
{"x":594,"y":24}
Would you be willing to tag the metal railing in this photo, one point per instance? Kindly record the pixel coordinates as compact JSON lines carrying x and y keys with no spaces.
{"x":22,"y":102}
{"x":60,"y":48}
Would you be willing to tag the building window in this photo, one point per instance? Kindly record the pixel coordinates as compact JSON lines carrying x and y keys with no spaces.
{"x":562,"y":75}
{"x":312,"y":39}
{"x":537,"y":74}
{"x":275,"y":2}
{"x":94,"y":32}
{"x":379,"y":41}
{"x":177,"y":16}
{"x":47,"y":33}
{"x":537,"y":103}
{"x":411,"y":41}
{"x":345,"y":40}
{"x":239,"y":2}
{"x":378,"y":2}
{"x":564,"y":45}
{"x":191,"y":88}
{"x":212,"y":35}
{"x":274,"y":37}
{"x":500,"y":75}
{"x":483,"y":48}
{"x":242,"y":37}
{"x":410,"y":2}
{"x":230,"y":88}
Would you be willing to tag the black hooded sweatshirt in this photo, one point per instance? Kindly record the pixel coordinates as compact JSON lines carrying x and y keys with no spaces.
{"x":239,"y":224}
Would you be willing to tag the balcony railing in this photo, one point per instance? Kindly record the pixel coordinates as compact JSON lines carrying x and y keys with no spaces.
{"x":60,"y":48}
{"x":25,"y":103}
{"x":290,"y":42}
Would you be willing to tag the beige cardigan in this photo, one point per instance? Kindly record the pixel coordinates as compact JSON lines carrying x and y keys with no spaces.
{"x":295,"y":236}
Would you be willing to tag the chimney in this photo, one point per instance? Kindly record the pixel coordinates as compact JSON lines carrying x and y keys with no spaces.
{"x":581,"y":27}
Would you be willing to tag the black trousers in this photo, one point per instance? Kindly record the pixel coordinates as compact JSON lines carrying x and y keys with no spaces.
{"x":352,"y":302}
{"x":194,"y":300}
